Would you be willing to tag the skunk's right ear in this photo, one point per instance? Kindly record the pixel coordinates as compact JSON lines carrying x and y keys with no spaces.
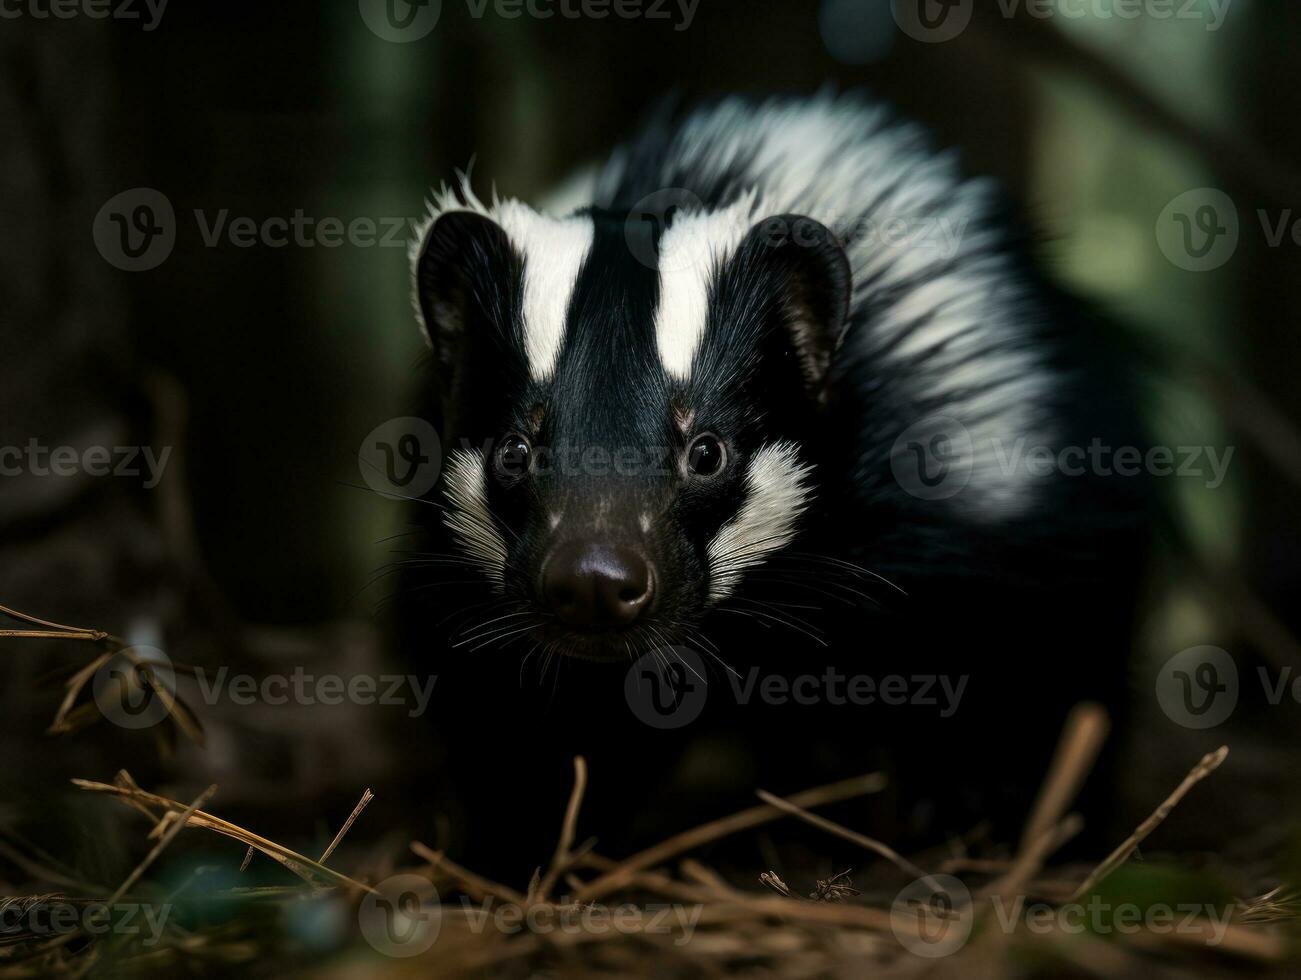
{"x":468,"y":283}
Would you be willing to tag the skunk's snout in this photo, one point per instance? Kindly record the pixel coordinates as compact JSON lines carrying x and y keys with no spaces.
{"x":593,"y":586}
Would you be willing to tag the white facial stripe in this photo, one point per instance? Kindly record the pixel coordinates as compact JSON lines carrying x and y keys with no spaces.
{"x":690,"y":251}
{"x":468,"y":516}
{"x":777,"y":493}
{"x":928,"y":257}
{"x":554,"y":250}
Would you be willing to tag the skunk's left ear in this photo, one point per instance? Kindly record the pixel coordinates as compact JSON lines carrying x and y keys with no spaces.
{"x":468,"y":281}
{"x":811,"y":275}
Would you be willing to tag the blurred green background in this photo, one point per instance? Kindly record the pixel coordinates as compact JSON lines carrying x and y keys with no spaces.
{"x":266,"y":366}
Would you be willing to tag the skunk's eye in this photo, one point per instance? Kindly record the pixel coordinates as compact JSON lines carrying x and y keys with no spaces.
{"x":513,"y":454}
{"x":706,"y":455}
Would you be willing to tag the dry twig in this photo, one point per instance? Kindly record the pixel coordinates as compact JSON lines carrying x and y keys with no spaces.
{"x":1210,"y":762}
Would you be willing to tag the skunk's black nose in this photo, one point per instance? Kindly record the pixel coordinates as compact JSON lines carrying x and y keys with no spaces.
{"x":596,"y":586}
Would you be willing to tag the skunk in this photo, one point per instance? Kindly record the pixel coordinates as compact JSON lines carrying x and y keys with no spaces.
{"x":776,"y":393}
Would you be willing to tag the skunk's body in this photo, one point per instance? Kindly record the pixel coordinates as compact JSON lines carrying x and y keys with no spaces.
{"x":835,"y":347}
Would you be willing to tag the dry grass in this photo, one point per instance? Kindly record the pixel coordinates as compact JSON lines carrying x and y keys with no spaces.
{"x":711,"y":926}
{"x":834,"y":932}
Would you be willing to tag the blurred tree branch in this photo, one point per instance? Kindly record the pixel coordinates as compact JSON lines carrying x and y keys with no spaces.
{"x":1242,"y":161}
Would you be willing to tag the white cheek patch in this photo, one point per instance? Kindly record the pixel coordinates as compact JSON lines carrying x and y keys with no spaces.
{"x":690,"y":252}
{"x":776,"y":495}
{"x":468,"y":517}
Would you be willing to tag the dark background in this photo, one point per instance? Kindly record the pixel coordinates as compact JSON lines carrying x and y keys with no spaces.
{"x":263,"y":368}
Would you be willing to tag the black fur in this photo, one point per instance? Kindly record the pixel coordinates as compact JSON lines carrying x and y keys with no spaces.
{"x":1036,"y":611}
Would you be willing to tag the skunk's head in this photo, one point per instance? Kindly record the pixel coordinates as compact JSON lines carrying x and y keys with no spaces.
{"x":626,"y":409}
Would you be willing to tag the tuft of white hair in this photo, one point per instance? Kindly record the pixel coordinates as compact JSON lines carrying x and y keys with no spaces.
{"x":777,"y":492}
{"x":553,"y":250}
{"x":469,"y":518}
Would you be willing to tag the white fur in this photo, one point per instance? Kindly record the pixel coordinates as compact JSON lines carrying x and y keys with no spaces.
{"x":904,"y":211}
{"x":468,"y":516}
{"x":842,"y":161}
{"x":776,"y":494}
{"x":691,"y":252}
{"x":443,"y":201}
{"x":553,"y":250}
